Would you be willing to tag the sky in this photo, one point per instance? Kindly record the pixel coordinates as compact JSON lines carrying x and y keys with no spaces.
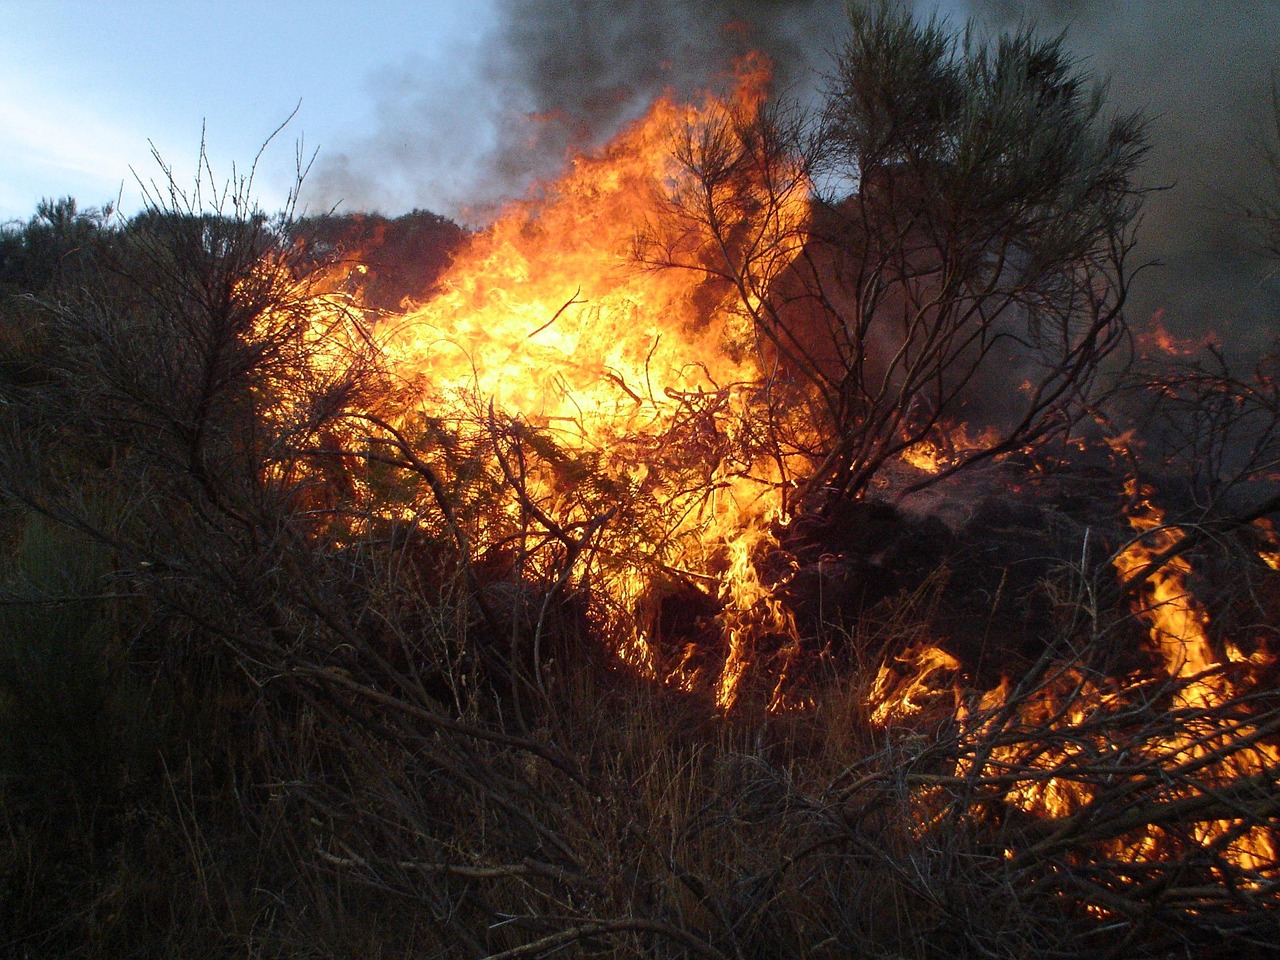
{"x":87,"y":88}
{"x":427,"y":105}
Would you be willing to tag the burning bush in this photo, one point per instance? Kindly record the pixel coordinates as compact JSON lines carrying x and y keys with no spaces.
{"x":972,"y":213}
{"x":625,"y":593}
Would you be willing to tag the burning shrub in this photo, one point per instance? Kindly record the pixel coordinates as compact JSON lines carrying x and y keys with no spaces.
{"x":547,"y":614}
{"x":972,"y":212}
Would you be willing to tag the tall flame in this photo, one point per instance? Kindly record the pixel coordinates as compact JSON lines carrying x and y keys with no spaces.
{"x":1179,"y":624}
{"x":546,"y":327}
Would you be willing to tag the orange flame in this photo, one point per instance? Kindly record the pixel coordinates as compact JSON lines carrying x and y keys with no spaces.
{"x":1040,"y":744}
{"x":1270,"y":553}
{"x":545,"y":326}
{"x":1179,"y":624}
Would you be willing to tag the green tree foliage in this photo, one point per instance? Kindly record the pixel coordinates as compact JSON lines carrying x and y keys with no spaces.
{"x":397,"y":258}
{"x":53,"y":252}
{"x":53,"y":249}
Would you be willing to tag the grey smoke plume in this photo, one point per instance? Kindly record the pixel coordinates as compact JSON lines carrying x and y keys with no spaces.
{"x":1203,"y":71}
{"x":555,"y":76}
{"x":591,"y":65}
{"x":458,"y":140}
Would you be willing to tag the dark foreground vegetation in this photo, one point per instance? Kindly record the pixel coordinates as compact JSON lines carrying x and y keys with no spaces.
{"x":259,"y":697}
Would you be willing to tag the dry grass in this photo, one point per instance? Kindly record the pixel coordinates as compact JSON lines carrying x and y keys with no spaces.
{"x":289,"y":724}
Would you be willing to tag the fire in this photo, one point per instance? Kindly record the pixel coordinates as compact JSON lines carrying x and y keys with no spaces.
{"x":1179,"y":624}
{"x":946,"y":446}
{"x":902,"y":689}
{"x":1270,"y":553}
{"x":551,"y":350}
{"x":1179,"y":632}
{"x":616,"y":409}
{"x":1157,"y":341}
{"x":1044,"y":744}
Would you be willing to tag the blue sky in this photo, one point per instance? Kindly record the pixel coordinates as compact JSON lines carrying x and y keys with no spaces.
{"x":85,"y":86}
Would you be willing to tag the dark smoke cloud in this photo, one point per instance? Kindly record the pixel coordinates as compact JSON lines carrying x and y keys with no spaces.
{"x":552,"y":76}
{"x":592,"y":65}
{"x":1202,"y":70}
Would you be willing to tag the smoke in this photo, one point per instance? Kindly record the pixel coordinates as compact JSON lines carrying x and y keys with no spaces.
{"x":458,"y":136}
{"x":589,"y":66}
{"x":552,"y":77}
{"x":1203,"y":72}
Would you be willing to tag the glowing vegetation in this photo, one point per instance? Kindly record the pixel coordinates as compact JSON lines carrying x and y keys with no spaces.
{"x":731,"y":552}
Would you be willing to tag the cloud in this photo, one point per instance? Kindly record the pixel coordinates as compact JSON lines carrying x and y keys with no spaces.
{"x":54,"y":148}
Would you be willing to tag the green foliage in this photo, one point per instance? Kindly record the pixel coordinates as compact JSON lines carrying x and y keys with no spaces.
{"x":53,"y":253}
{"x":393,"y":258}
{"x":1008,"y":126}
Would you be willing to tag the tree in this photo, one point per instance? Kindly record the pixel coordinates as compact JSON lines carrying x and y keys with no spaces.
{"x":53,"y":247}
{"x":51,"y":253}
{"x":970,"y":212}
